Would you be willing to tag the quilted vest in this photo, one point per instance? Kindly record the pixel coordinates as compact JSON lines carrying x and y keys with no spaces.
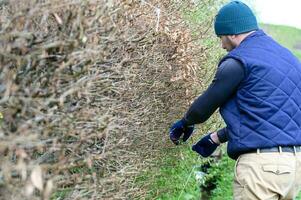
{"x":266,"y":109}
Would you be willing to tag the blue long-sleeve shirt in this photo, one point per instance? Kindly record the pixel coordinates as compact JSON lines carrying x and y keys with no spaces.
{"x":225,"y":83}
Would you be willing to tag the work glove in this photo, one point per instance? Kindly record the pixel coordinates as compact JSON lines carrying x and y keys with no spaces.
{"x":178,"y":129}
{"x":205,"y":146}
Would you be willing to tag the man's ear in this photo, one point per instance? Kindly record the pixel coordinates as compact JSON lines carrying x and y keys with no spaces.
{"x":233,"y":39}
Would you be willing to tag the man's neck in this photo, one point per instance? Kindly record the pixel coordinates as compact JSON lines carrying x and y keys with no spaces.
{"x":244,"y":36}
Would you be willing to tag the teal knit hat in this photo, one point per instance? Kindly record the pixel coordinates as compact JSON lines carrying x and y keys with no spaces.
{"x":235,"y":18}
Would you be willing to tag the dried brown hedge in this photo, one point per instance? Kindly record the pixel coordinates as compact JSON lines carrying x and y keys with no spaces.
{"x":88,"y":89}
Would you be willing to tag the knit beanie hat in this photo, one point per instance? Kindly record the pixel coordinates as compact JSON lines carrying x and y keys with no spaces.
{"x":235,"y":18}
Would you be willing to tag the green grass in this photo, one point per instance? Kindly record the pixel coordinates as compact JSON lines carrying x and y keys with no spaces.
{"x":61,"y":193}
{"x":174,"y":178}
{"x":223,"y":173}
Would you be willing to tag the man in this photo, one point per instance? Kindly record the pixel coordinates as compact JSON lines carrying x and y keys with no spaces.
{"x":257,"y":88}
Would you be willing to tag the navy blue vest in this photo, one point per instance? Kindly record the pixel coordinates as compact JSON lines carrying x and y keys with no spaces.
{"x":266,"y":109}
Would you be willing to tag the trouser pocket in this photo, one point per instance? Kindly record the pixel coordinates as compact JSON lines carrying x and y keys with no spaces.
{"x":238,"y":187}
{"x":277,"y":169}
{"x":236,"y":178}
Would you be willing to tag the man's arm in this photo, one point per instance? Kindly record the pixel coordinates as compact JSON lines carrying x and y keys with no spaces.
{"x":225,"y":83}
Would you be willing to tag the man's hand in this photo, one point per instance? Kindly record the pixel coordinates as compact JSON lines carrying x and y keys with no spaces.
{"x":178,"y":129}
{"x":207,"y":145}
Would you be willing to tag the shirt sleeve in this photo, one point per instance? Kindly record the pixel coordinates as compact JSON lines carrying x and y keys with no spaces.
{"x":225,"y":83}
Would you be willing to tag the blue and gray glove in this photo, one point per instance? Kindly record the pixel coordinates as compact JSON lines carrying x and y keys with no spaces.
{"x":178,"y":129}
{"x":205,"y":147}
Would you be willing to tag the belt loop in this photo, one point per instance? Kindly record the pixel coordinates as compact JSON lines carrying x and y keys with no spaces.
{"x":280,"y":149}
{"x":258,"y":151}
{"x":295,"y":151}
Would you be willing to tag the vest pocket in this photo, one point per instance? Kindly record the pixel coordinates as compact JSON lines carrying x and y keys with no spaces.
{"x":277,"y":169}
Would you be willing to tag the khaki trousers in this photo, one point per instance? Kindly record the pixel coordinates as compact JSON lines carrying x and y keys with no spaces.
{"x":267,"y":176}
